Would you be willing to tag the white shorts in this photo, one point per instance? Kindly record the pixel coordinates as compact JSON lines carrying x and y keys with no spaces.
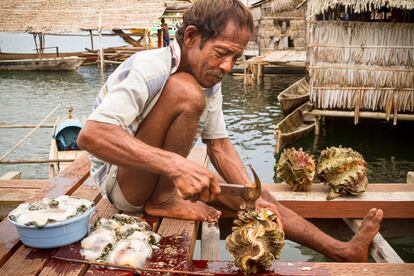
{"x":115,"y":195}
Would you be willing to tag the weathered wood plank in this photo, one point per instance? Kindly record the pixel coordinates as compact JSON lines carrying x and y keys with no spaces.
{"x":67,"y":182}
{"x":210,"y":241}
{"x":396,"y":200}
{"x":380,"y":250}
{"x":16,"y":195}
{"x":11,"y":175}
{"x":176,"y":245}
{"x":24,"y":183}
{"x":308,"y":268}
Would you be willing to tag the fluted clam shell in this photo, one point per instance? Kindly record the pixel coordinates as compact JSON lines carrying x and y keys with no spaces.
{"x":256,"y":240}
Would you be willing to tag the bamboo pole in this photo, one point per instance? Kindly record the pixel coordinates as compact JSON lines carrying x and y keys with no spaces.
{"x":362,"y":114}
{"x":23,"y":126}
{"x":30,"y":133}
{"x":361,"y":88}
{"x":157,"y":270}
{"x":363,"y":68}
{"x":101,"y":56}
{"x":360,"y":46}
{"x":35,"y":161}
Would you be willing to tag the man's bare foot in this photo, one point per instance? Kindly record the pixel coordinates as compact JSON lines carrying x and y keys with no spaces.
{"x":183,"y":209}
{"x":357,"y":248}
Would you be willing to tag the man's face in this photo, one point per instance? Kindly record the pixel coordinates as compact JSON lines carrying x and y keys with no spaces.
{"x":217,"y":56}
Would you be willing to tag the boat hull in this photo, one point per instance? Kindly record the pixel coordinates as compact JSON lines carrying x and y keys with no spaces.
{"x":44,"y":64}
{"x":294,"y":127}
{"x":294,"y":96}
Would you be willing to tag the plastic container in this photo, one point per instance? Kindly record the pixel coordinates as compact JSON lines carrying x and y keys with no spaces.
{"x":56,"y":234}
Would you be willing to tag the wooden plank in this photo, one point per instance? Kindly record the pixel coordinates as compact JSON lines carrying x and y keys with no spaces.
{"x":11,"y":175}
{"x":380,"y":250}
{"x":68,"y":181}
{"x":210,"y":241}
{"x":24,"y":183}
{"x":396,"y":200}
{"x":30,"y":261}
{"x":176,"y":245}
{"x":308,"y":268}
{"x":15,"y":196}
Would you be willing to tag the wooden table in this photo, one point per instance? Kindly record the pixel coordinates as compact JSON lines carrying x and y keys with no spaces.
{"x":17,"y":259}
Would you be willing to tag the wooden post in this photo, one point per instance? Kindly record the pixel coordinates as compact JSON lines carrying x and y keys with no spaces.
{"x":90,"y":32}
{"x":101,"y":55}
{"x":317,"y":125}
{"x":410,"y":177}
{"x":210,"y":242}
{"x":260,"y":73}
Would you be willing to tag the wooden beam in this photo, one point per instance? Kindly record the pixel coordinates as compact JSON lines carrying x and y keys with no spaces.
{"x":380,"y":250}
{"x":24,"y":183}
{"x":362,"y":114}
{"x":396,"y":200}
{"x":210,"y":241}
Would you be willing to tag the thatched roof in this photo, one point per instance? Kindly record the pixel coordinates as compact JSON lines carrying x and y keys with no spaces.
{"x":358,"y":6}
{"x":64,"y":16}
{"x":280,"y":5}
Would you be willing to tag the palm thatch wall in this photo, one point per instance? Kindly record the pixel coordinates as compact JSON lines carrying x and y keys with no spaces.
{"x":63,"y":16}
{"x":362,"y":66}
{"x":358,"y":6}
{"x":280,"y":24}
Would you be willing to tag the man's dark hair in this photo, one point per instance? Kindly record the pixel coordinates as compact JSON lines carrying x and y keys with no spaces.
{"x":211,"y":16}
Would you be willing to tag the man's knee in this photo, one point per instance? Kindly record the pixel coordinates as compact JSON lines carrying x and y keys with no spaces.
{"x":182,"y":90}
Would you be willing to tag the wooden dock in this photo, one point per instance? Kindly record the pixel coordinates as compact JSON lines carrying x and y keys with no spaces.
{"x":178,"y":236}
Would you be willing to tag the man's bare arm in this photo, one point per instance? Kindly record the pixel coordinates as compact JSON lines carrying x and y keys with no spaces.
{"x":227,"y":161}
{"x":114,"y":145}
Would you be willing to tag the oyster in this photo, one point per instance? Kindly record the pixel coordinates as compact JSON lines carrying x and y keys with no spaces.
{"x":344,"y":170}
{"x":121,"y":240}
{"x":296,"y":168}
{"x":256,"y":240}
{"x":42,"y":212}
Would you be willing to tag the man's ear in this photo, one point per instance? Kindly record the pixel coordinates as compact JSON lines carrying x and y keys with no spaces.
{"x":191,"y":35}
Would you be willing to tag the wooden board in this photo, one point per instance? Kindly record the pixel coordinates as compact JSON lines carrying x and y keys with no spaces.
{"x":396,"y":200}
{"x":307,"y":268}
{"x":24,"y":183}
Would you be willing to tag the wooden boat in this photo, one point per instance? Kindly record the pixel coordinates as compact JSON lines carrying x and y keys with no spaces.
{"x":63,"y":145}
{"x":293,"y":127}
{"x":180,"y":235}
{"x":294,"y":96}
{"x":49,"y":64}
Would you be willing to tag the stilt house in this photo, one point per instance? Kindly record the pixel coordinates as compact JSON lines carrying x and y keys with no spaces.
{"x":361,"y":58}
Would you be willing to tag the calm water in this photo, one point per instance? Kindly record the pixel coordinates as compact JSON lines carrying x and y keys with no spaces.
{"x":251,"y":115}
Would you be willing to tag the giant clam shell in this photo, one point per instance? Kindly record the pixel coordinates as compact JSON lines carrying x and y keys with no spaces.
{"x":344,"y":170}
{"x":256,"y":240}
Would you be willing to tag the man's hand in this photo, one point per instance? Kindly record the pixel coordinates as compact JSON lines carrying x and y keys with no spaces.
{"x":194,"y":182}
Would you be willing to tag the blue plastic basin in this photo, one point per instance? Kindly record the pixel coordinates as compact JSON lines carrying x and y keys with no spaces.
{"x":56,"y":234}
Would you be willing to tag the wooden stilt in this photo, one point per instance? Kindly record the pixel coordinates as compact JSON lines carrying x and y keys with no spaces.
{"x":90,"y":32}
{"x":101,"y":55}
